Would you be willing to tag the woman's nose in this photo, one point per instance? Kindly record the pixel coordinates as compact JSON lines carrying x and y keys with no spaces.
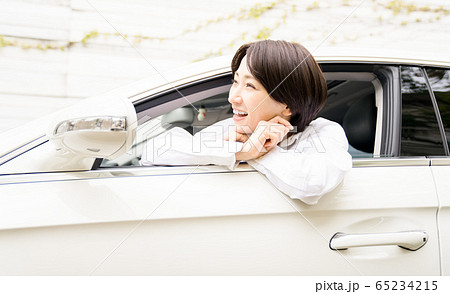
{"x":234,"y":97}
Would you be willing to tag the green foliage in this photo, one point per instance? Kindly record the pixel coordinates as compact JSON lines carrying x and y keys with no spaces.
{"x":10,"y":42}
{"x":314,"y":5}
{"x":264,"y":33}
{"x":90,"y":35}
{"x":257,"y":10}
{"x":345,"y":2}
{"x":399,"y":6}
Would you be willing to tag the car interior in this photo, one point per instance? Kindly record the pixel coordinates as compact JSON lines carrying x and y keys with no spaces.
{"x":352,"y":105}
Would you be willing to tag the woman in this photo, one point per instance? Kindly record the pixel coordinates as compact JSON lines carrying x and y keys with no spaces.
{"x":277,"y":90}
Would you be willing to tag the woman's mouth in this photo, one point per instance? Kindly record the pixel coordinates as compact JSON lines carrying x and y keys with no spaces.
{"x":239,"y":113}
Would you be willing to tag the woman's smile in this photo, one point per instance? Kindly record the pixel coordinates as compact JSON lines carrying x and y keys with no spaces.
{"x":239,"y":115}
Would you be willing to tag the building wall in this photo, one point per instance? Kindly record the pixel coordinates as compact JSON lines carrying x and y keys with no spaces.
{"x":56,"y":52}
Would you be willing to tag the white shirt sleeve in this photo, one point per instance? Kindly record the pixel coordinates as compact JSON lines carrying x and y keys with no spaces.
{"x":311,"y":167}
{"x":179,"y":147}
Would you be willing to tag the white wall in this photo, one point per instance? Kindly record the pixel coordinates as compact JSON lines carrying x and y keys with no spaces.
{"x":34,"y":82}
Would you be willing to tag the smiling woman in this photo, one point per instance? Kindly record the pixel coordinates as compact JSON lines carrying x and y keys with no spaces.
{"x":277,"y":90}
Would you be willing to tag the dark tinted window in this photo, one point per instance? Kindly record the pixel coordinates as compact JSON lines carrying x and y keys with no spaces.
{"x":440,"y":83}
{"x":420,"y":129}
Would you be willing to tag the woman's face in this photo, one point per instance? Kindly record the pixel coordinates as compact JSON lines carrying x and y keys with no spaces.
{"x":250,"y":101}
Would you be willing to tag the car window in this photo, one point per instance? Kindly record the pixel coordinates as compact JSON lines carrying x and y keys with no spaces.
{"x":358,"y":99}
{"x":420,"y":133}
{"x":351,"y":102}
{"x":440,"y":84}
{"x":177,"y":111}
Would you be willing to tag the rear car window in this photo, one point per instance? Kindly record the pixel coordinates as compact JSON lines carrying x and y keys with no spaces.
{"x":440,"y":84}
{"x":420,"y":129}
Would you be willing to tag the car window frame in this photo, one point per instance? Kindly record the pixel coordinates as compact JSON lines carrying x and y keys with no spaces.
{"x":182,"y":95}
{"x":383,"y":93}
{"x":389,"y":95}
{"x":388,"y":75}
{"x":378,"y":89}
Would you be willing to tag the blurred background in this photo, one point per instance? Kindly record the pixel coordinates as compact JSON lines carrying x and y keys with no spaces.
{"x":55,"y":52}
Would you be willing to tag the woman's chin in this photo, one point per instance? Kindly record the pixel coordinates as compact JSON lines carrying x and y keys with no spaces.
{"x":243,"y":126}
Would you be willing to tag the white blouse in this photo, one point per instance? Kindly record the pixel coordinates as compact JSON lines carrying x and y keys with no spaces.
{"x":305,"y":166}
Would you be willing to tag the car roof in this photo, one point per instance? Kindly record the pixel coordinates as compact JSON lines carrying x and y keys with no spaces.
{"x":376,"y":55}
{"x":335,"y":55}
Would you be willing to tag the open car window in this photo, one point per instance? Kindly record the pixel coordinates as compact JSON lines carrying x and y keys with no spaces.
{"x":354,"y":101}
{"x":187,"y":117}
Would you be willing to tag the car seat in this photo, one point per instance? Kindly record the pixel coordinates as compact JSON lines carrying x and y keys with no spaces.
{"x":359,"y":124}
{"x":181,"y":117}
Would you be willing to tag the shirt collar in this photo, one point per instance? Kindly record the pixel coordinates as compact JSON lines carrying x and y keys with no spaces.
{"x":288,"y":141}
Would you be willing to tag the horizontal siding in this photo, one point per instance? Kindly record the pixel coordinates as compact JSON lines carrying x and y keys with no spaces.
{"x":35,"y":20}
{"x":17,"y":109}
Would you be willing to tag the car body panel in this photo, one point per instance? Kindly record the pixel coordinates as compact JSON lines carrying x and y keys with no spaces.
{"x":225,"y":231}
{"x":441,"y":175}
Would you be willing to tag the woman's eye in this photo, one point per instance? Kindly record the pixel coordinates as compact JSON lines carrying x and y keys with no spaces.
{"x":233,"y":81}
{"x":251,"y":86}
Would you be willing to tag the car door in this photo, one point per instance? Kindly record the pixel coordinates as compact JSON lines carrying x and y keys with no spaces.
{"x":394,"y":192}
{"x":438,"y":79}
{"x":120,"y":218}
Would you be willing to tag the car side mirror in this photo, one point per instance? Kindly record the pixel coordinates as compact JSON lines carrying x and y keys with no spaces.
{"x":108,"y":134}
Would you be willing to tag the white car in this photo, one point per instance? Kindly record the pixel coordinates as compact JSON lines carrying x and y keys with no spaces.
{"x":74,"y":200}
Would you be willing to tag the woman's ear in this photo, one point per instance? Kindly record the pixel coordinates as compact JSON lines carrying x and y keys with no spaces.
{"x":286,"y":112}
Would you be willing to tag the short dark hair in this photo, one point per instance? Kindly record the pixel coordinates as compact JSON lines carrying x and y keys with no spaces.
{"x":290,"y":75}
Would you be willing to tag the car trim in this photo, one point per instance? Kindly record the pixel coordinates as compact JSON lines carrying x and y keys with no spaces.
{"x":114,"y":172}
{"x":440,"y":161}
{"x":436,"y":112}
{"x":381,"y":60}
{"x":406,"y":161}
{"x":380,"y":111}
{"x":392,"y":106}
{"x":181,"y":85}
{"x":181,"y":91}
{"x":23,"y":149}
{"x":119,"y":172}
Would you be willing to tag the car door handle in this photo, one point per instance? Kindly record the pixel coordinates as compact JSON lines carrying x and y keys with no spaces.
{"x":410,"y":240}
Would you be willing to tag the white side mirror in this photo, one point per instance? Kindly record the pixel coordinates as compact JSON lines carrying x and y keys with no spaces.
{"x":108,"y":134}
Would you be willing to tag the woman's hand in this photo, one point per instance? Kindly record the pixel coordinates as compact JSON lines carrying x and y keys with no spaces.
{"x":236,"y":136}
{"x":266,"y":135}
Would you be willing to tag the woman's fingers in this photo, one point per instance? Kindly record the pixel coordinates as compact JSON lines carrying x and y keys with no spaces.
{"x":275,"y":128}
{"x":241,"y":137}
{"x":274,"y":135}
{"x":235,"y":136}
{"x":266,"y":136}
{"x":279,"y":120}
